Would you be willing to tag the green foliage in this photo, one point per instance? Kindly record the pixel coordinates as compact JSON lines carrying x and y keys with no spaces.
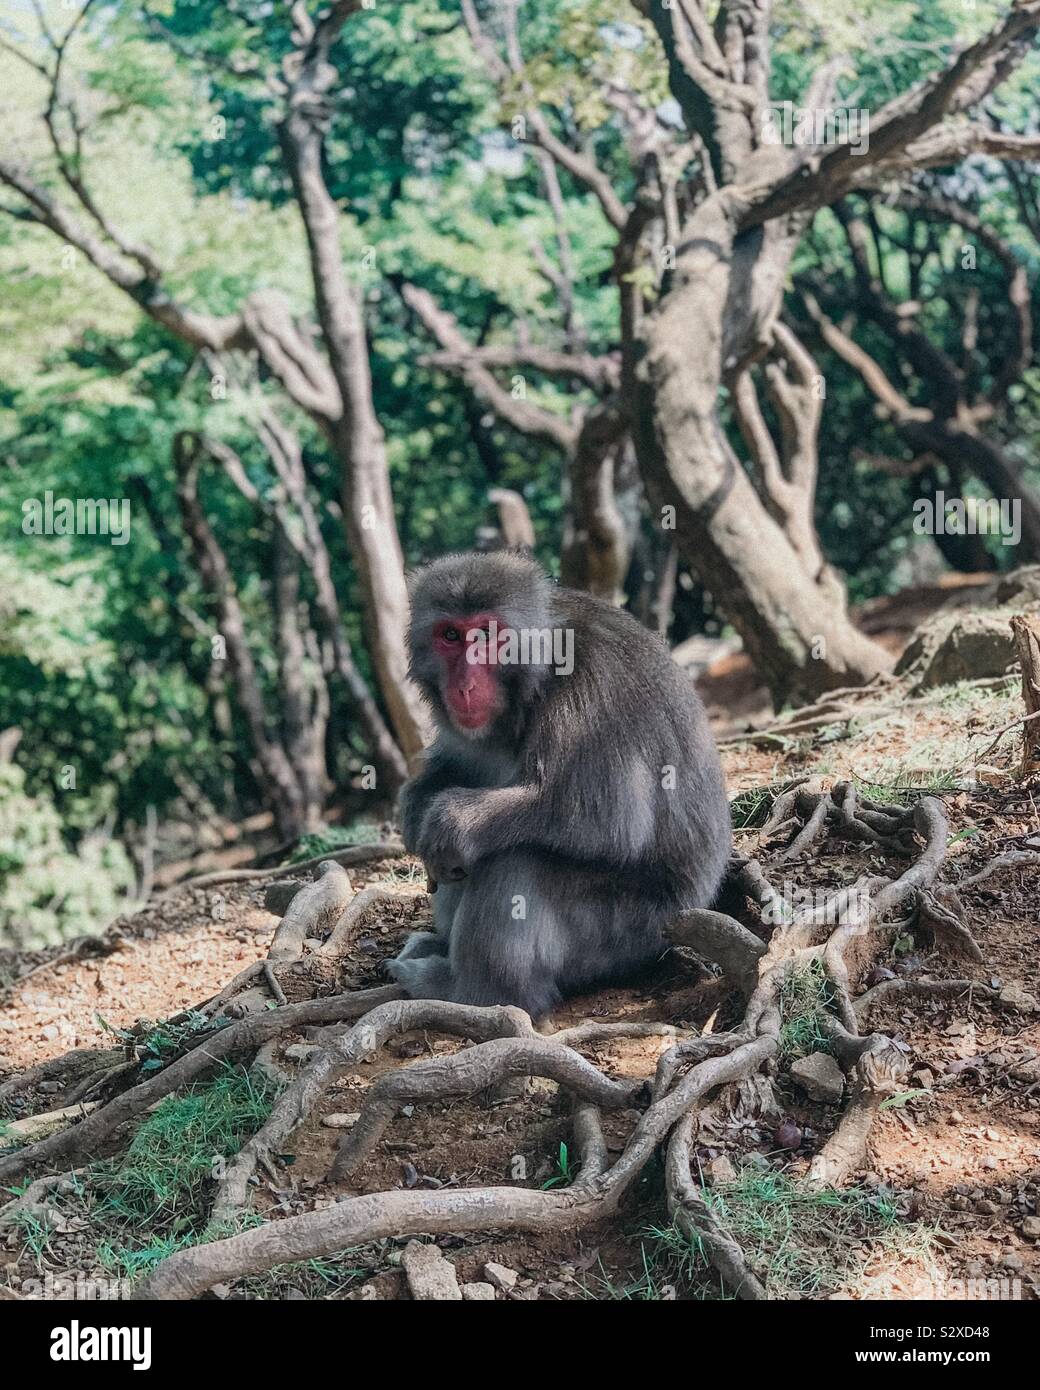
{"x":47,"y":891}
{"x":105,"y":651}
{"x":797,"y":1240}
{"x":564,"y":1175}
{"x":805,"y":993}
{"x":166,"y":1173}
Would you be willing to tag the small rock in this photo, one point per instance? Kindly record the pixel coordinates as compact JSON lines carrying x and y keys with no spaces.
{"x":1014,"y":1262}
{"x":820,"y":1077}
{"x":986,"y":1207}
{"x":989,"y":1163}
{"x":431,"y":1278}
{"x":721,"y":1170}
{"x":923,"y":1078}
{"x":301,"y":1052}
{"x":1016,"y":998}
{"x":1031,"y":1228}
{"x":500,"y":1276}
{"x":1026,"y":1071}
{"x":340,"y":1121}
{"x":478,"y":1293}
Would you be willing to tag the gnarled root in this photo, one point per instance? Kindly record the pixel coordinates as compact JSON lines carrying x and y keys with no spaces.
{"x":245,"y":1036}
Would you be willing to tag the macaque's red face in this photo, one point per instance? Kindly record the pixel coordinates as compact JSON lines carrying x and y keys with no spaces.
{"x":470,"y":680}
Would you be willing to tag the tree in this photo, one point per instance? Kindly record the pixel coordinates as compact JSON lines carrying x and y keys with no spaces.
{"x":333,"y":388}
{"x":951,"y":415}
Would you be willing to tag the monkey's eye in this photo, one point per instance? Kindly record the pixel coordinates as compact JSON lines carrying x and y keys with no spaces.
{"x":450,"y":634}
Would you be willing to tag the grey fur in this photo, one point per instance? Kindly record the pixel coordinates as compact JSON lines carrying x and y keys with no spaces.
{"x":558,"y":843}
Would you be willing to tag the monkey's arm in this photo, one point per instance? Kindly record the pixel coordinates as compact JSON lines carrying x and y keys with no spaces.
{"x":416,"y":795}
{"x":462,"y":826}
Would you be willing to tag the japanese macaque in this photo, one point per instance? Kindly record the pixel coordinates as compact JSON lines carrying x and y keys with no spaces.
{"x":572,"y":802}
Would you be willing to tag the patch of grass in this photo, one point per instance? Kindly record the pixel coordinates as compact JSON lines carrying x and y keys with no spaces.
{"x":132,"y":1262}
{"x":805,"y":993}
{"x":315,"y":1279}
{"x":333,"y":837}
{"x":178,"y":1149}
{"x":10,"y":1139}
{"x":751,"y":808}
{"x":403,"y":873}
{"x":36,"y":1233}
{"x":799,"y":1241}
{"x":903,"y":784}
{"x":666,"y":1270}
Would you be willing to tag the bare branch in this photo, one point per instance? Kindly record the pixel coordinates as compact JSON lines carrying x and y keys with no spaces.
{"x":457,"y":355}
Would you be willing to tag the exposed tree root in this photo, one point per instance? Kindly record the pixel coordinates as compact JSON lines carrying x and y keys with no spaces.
{"x":83,"y":1060}
{"x":33,"y":1201}
{"x":692,"y":1215}
{"x":376,"y":1027}
{"x":365,"y":1038}
{"x":469,"y":1072}
{"x":316,"y":1234}
{"x":890,"y":991}
{"x":946,"y":927}
{"x":725,"y":1070}
{"x":346,"y":929}
{"x":353,"y":854}
{"x":878,"y":1072}
{"x":720,"y":938}
{"x":244,"y":1036}
{"x":1013,"y":859}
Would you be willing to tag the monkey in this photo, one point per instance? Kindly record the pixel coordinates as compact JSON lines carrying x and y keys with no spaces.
{"x":572,"y":801}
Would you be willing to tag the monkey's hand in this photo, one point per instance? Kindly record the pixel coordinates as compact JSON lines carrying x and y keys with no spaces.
{"x":446,"y":842}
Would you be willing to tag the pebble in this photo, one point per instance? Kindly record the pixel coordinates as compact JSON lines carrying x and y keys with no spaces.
{"x":341,"y":1121}
{"x":501,"y":1276}
{"x":431,"y":1278}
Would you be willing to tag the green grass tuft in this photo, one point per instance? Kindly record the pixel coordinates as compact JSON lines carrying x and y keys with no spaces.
{"x":800,"y":1242}
{"x":177,"y":1150}
{"x":805,"y":994}
{"x":333,"y":837}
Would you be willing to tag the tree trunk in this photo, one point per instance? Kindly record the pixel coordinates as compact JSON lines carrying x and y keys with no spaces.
{"x":284,"y":450}
{"x":597,"y":547}
{"x":1026,"y":632}
{"x":355,"y":432}
{"x":716,"y":318}
{"x":278,"y":783}
{"x":301,"y":682}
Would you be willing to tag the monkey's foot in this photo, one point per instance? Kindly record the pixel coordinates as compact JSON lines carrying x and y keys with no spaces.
{"x":420,"y":944}
{"x":425,"y":976}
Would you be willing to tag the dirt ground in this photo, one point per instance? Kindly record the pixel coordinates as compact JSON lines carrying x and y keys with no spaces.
{"x":958,"y":1159}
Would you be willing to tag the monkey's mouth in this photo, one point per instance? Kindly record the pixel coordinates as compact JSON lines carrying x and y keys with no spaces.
{"x":471,"y":721}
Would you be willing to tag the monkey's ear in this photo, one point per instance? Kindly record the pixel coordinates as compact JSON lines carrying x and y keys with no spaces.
{"x":413,"y":579}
